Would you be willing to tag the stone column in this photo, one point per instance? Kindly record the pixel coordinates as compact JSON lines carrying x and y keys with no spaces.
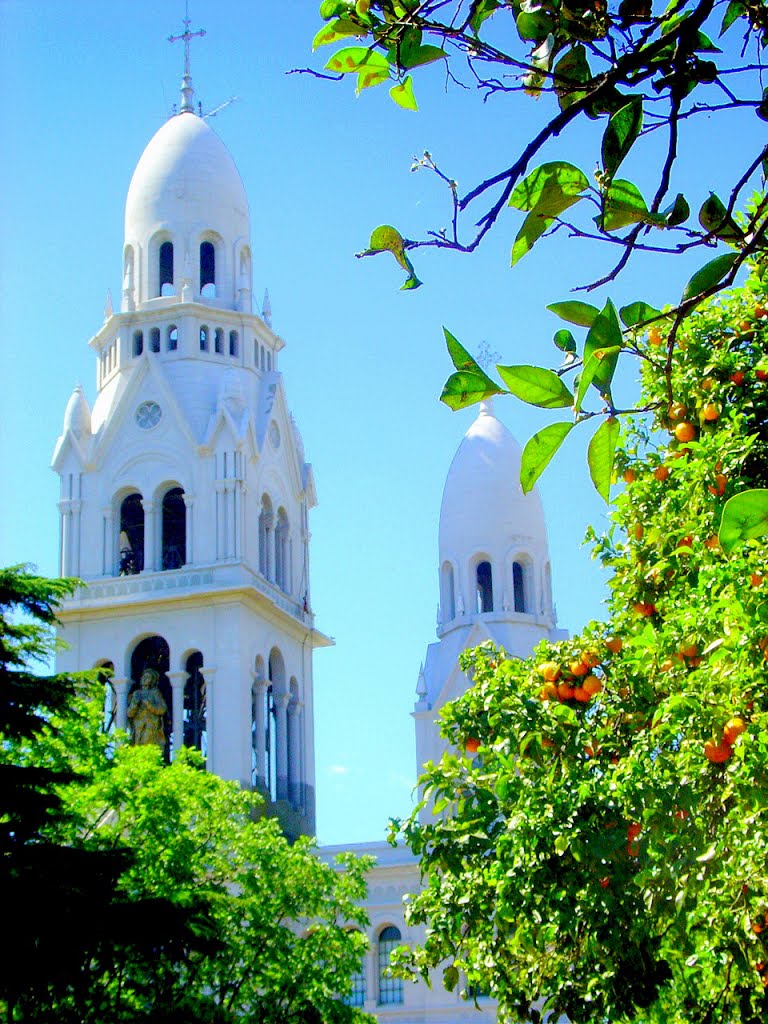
{"x":74,"y":526}
{"x":177,"y":681}
{"x":189,"y":554}
{"x":121,"y":696}
{"x":107,"y":543}
{"x":281,"y":713}
{"x":258,"y":691}
{"x":208,"y":675}
{"x":65,"y":509}
{"x":295,"y":779}
{"x":150,"y":543}
{"x":221,"y":511}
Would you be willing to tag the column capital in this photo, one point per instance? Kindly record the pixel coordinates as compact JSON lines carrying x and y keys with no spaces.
{"x":259,"y":682}
{"x":177,"y":678}
{"x":207,"y":673}
{"x":108,"y":512}
{"x":188,"y":499}
{"x":120,"y":685}
{"x":284,"y":699}
{"x":295,"y":707}
{"x":147,"y":504}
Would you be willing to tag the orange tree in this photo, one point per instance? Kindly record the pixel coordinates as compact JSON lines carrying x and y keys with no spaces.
{"x":605,"y":847}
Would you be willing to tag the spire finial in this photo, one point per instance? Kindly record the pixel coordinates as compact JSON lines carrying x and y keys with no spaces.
{"x":187,"y":92}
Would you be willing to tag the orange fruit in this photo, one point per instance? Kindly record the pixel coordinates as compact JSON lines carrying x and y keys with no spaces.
{"x":548,"y":692}
{"x":638,"y":531}
{"x":661,"y":473}
{"x":708,"y":383}
{"x":629,"y":476}
{"x":737,"y":377}
{"x":590,"y":658}
{"x":549,"y":671}
{"x":685,"y":431}
{"x":472,"y":745}
{"x":605,"y":882}
{"x":759,"y":311}
{"x":667,"y":665}
{"x":677,"y":411}
{"x":711,"y":412}
{"x":614,"y":644}
{"x":580,"y":694}
{"x":592,"y":685}
{"x":761,"y":374}
{"x":718,"y":488}
{"x":733,"y":728}
{"x":578,"y":668}
{"x":564,"y":691}
{"x":717,"y":753}
{"x":713,"y":543}
{"x":654,"y":337}
{"x":689,"y":650}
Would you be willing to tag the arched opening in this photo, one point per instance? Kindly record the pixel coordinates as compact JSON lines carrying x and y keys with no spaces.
{"x":165,"y":263}
{"x":294,"y":744}
{"x":266,"y":529}
{"x":207,"y":267}
{"x":154,"y":339}
{"x":518,"y":587}
{"x":173,"y":338}
{"x":149,"y":699}
{"x":138,"y":343}
{"x":174,"y":527}
{"x":234,"y":346}
{"x":282,"y":555}
{"x":269,"y":361}
{"x":448,"y":607}
{"x":195,"y":734}
{"x":203,"y":338}
{"x":358,"y":991}
{"x":106,"y":671}
{"x":218,"y":341}
{"x":128,"y":269}
{"x":276,"y":676}
{"x":263,"y":359}
{"x":390,"y":989}
{"x":258,"y":729}
{"x":484,"y":587}
{"x":131,"y":542}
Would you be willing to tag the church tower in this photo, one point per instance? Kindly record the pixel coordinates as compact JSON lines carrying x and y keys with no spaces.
{"x":495,"y":578}
{"x":185,"y":491}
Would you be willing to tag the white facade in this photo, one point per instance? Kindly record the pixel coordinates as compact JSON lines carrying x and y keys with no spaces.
{"x":185,"y":492}
{"x":184,"y":507}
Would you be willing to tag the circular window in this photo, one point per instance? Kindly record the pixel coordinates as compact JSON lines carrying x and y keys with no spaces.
{"x":148,"y":415}
{"x":274,"y":434}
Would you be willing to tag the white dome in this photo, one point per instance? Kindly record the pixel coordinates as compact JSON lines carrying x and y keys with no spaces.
{"x":484,"y":508}
{"x":184,"y":182}
{"x":77,"y":415}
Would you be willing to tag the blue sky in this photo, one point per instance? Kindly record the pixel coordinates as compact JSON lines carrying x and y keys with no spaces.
{"x":86,"y":85}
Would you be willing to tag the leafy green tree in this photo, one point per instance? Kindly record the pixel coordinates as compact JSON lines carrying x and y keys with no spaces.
{"x":605,"y":851}
{"x":138,"y":891}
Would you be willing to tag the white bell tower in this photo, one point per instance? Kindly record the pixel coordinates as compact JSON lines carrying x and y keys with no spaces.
{"x":495,"y":578}
{"x":185,"y":492}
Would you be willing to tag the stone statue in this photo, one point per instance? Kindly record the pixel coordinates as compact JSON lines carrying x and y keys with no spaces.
{"x":146,"y":710}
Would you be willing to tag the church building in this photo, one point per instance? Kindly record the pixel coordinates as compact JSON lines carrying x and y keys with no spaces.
{"x":184,"y":503}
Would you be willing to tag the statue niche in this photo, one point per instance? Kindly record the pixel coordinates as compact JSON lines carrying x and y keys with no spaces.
{"x":147,"y":710}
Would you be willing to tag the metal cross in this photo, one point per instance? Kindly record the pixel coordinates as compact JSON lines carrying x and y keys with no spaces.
{"x":486,"y":357}
{"x":186,"y":35}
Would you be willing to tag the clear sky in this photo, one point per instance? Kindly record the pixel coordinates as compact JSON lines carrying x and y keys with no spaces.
{"x":84,"y":87}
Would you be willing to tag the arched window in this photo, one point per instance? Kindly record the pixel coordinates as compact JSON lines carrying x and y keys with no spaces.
{"x":234,"y":347}
{"x":207,"y":267}
{"x":282,"y":552}
{"x":174,"y":529}
{"x":154,"y":339}
{"x":131,"y":541}
{"x":173,"y":338}
{"x":448,"y":608}
{"x":165,"y":279}
{"x":195,"y":734}
{"x":484,"y":585}
{"x":203,"y":339}
{"x":255,"y":353}
{"x":151,"y":653}
{"x":390,"y":989}
{"x":518,"y":587}
{"x":266,"y":530}
{"x":218,"y":341}
{"x":357,"y":994}
{"x":294,"y":745}
{"x":138,"y":343}
{"x":258,"y":725}
{"x":276,"y":686}
{"x":263,"y":359}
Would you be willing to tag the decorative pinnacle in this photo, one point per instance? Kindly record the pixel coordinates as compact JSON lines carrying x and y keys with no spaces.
{"x":187,"y":92}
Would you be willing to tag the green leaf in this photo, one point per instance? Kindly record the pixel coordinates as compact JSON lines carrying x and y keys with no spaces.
{"x":638,"y":313}
{"x":623,"y":204}
{"x":595,"y":370}
{"x":547,"y":187}
{"x":385,"y":238}
{"x":536,"y":386}
{"x":709,"y":275}
{"x":533,"y":228}
{"x":762,"y":110}
{"x":565,"y":341}
{"x":677,"y":213}
{"x":330,"y":8}
{"x":570,"y":73}
{"x":605,"y":331}
{"x":403,"y":96}
{"x":539,"y":451}
{"x":535,"y":26}
{"x":714,"y":217}
{"x":423,"y":55}
{"x":600,"y":454}
{"x":450,"y":978}
{"x":460,"y":357}
{"x":735,"y":10}
{"x":580,"y":313}
{"x":465,"y":388}
{"x":484,"y":9}
{"x":621,"y":133}
{"x":371,"y":76}
{"x":336,"y":30}
{"x":354,"y":58}
{"x":745,"y":517}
